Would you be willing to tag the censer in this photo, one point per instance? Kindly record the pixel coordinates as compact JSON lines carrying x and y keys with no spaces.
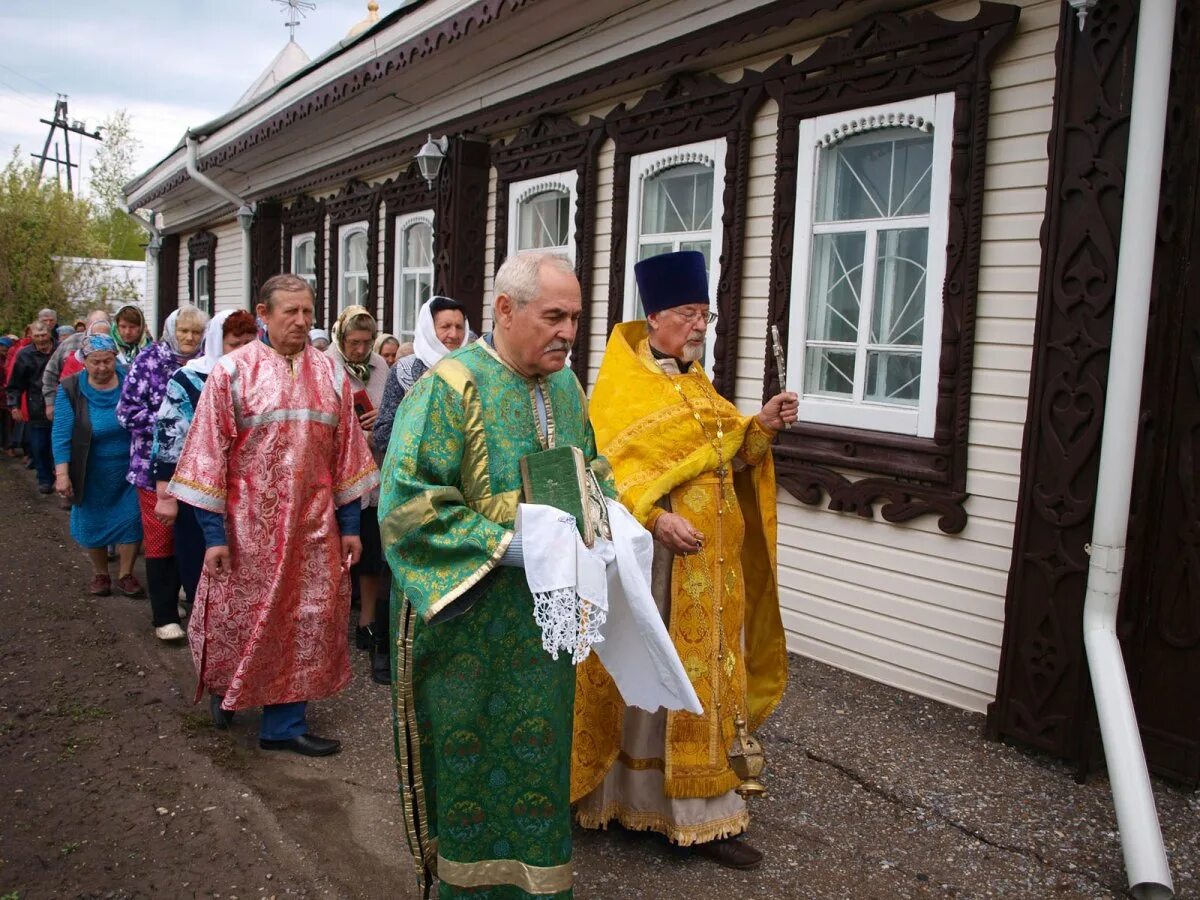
{"x":747,"y":760}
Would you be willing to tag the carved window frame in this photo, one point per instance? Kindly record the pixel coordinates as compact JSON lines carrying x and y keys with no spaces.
{"x":202,"y":249}
{"x":546,"y":149}
{"x":521,"y":191}
{"x":401,"y":223}
{"x":357,"y":204}
{"x":691,"y":108}
{"x":888,"y":59}
{"x":306,"y":215}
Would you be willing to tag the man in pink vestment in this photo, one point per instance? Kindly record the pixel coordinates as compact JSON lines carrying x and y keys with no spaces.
{"x":275,"y":463}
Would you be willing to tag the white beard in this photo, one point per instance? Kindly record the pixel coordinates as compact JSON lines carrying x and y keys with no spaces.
{"x":692,"y":352}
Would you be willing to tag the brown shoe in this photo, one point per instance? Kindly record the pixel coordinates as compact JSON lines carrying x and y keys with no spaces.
{"x":101,"y":586}
{"x":129,"y":586}
{"x":730,"y":853}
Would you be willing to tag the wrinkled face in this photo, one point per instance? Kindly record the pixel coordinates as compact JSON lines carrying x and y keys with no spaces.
{"x":681,"y":331}
{"x":450,"y":326}
{"x":189,"y":336}
{"x":289,"y":320}
{"x":357,"y":345}
{"x":50,"y":322}
{"x":539,"y":334}
{"x":130,"y":332}
{"x":388,"y":352}
{"x":232,"y":341}
{"x":101,"y":367}
{"x":41,"y":339}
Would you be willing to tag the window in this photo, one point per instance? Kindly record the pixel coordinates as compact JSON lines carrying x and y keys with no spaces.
{"x":304,"y":258}
{"x":354,"y":262}
{"x":675,"y":205}
{"x":414,"y":270}
{"x":541,"y":214}
{"x":873,"y":192}
{"x":200,"y":279}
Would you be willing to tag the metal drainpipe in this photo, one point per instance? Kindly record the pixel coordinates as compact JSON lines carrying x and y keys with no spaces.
{"x":152,"y":249}
{"x":1141,"y":838}
{"x":245,"y":213}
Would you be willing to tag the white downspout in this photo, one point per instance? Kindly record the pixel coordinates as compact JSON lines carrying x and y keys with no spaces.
{"x":245,"y":213}
{"x":1141,"y":838}
{"x":153,"y":246}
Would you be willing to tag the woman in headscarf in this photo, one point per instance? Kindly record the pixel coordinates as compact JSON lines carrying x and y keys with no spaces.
{"x":227,"y":331}
{"x":387,"y":346}
{"x":73,"y":364}
{"x":442,"y":326}
{"x":319,"y":338}
{"x":129,"y":332}
{"x":143,"y":393}
{"x":91,"y":457}
{"x":353,"y":336}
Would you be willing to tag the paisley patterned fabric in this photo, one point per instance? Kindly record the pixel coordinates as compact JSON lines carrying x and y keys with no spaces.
{"x":274,"y":447}
{"x":483,"y":714}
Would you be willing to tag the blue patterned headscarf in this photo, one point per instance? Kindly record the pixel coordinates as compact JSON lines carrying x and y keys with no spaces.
{"x":98,"y":343}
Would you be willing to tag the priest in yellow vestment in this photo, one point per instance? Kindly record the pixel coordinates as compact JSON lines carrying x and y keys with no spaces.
{"x":699,"y":476}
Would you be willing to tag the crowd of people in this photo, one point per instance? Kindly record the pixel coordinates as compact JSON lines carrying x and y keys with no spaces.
{"x":270,"y":471}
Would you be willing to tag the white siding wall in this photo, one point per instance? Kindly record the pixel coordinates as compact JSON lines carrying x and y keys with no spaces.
{"x":489,"y":256}
{"x":229,"y":267}
{"x":601,"y":255}
{"x":185,"y":263}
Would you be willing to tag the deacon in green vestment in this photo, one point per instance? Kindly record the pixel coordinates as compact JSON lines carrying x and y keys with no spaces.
{"x":483,"y":714}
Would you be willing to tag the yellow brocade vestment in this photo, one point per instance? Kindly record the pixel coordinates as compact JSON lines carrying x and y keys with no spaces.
{"x":658,"y":432}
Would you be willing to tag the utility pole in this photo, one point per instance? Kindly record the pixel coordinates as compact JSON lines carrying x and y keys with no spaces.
{"x":60,"y":121}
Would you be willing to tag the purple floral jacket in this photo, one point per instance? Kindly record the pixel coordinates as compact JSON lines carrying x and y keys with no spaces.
{"x":137,"y":410}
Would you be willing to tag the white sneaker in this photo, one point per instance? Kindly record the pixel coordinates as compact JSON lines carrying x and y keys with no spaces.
{"x":170,"y":632}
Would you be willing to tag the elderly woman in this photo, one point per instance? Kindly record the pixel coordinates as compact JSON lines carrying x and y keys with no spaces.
{"x":73,"y":364}
{"x":441,"y":327}
{"x":142,"y":395}
{"x":387,"y":346}
{"x":226,"y":332}
{"x":91,"y":456}
{"x":353,"y":336}
{"x":319,"y":338}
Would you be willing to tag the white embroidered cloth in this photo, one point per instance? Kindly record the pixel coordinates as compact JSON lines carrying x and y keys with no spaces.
{"x":600,"y":598}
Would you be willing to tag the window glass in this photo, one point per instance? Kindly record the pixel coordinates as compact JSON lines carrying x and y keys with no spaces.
{"x":543,"y":220}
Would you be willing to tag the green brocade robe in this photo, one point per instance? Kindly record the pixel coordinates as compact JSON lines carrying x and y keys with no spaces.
{"x":483,"y":715}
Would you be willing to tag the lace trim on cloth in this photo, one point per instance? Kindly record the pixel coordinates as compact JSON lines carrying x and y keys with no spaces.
{"x":568,"y":622}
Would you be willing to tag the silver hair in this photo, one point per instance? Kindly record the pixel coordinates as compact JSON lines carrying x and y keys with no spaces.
{"x":517,"y":277}
{"x":48,"y":313}
{"x":191,"y":315}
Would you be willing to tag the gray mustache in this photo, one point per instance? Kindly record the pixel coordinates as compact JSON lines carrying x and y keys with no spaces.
{"x":557,"y":345}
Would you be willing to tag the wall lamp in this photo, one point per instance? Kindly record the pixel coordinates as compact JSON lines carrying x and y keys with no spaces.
{"x":430,"y":156}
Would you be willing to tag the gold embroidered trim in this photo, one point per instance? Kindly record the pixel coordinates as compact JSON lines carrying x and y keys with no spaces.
{"x":498,"y":508}
{"x":408,"y":754}
{"x":683,"y":835}
{"x":531,"y":879}
{"x":471,"y":580}
{"x":197,"y":486}
{"x":641,"y":764}
{"x":346,"y":483}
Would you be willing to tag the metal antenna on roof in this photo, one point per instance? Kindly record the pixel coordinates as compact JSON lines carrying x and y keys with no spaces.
{"x":297,"y":10}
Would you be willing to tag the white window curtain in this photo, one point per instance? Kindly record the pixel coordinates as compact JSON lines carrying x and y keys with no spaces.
{"x":304,"y":258}
{"x":414,"y":270}
{"x":354,"y":262}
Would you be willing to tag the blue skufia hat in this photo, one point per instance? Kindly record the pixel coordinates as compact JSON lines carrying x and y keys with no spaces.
{"x":672,"y":279}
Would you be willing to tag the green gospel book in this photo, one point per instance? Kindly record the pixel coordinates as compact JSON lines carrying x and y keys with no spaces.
{"x":559,"y":478}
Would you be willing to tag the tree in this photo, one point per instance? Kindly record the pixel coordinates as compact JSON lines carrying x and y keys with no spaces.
{"x":38,"y":221}
{"x":112,"y":169}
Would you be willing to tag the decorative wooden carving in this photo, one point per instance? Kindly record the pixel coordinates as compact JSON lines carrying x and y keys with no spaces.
{"x":266,"y":242}
{"x":357,"y":202}
{"x":885,"y":59}
{"x":203,"y":245}
{"x":1042,"y":696}
{"x":406,"y":193}
{"x":556,"y":144}
{"x":691,"y":108}
{"x":168,"y":277}
{"x":461,"y":225}
{"x":303,"y":216}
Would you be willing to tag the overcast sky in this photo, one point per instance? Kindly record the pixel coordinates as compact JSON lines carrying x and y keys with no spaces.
{"x":172,"y":64}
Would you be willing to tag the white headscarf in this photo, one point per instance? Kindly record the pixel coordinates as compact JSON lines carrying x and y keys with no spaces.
{"x":426,"y":345}
{"x":214,"y":343}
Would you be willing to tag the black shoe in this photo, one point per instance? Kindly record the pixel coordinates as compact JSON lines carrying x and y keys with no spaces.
{"x":45,"y":489}
{"x":304,"y":744}
{"x":221,"y":717}
{"x":730,"y":853}
{"x":381,"y":666}
{"x":364,"y":637}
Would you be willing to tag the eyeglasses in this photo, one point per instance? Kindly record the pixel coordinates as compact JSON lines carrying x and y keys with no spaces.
{"x":706,"y":315}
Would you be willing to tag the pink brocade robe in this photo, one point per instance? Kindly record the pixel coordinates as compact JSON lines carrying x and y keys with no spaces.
{"x":274,"y":447}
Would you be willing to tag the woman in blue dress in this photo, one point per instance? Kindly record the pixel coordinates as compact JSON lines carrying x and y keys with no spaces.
{"x":91,"y":457}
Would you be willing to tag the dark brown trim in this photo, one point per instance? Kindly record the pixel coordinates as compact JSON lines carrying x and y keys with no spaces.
{"x":888,"y":58}
{"x":357,"y":202}
{"x":203,"y":245}
{"x":687,"y":109}
{"x":266,"y":243}
{"x":551,"y":145}
{"x":304,"y":215}
{"x":168,"y":278}
{"x":460,"y":227}
{"x":406,"y":193}
{"x":643,"y":67}
{"x":1042,"y":695}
